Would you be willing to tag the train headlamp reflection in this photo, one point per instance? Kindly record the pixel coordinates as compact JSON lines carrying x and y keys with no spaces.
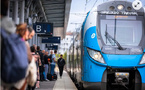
{"x":120,"y":7}
{"x":96,"y":55}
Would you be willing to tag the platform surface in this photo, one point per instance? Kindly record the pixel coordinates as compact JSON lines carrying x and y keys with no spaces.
{"x":64,"y":83}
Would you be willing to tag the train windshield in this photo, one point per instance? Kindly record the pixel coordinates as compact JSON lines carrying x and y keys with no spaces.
{"x":127,"y":30}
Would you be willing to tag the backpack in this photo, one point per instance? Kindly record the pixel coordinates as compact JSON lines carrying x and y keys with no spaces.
{"x":14,"y":60}
{"x":50,"y":57}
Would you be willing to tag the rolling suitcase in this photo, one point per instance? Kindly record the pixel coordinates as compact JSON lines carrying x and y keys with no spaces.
{"x":55,"y":74}
{"x":49,"y":76}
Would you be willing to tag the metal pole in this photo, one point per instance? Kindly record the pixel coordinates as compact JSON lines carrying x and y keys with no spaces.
{"x":8,"y":13}
{"x":22,"y":11}
{"x":15,"y":12}
{"x":36,"y":40}
{"x":115,"y":31}
{"x":27,"y":14}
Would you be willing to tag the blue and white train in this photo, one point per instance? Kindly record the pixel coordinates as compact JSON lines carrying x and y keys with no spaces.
{"x":109,"y":52}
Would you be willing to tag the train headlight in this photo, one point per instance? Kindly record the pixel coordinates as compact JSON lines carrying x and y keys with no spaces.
{"x":120,"y":7}
{"x":96,"y":55}
{"x":142,"y":60}
{"x":111,"y":7}
{"x":129,"y":8}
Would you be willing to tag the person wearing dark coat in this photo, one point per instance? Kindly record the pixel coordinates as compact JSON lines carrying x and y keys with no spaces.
{"x":41,"y":67}
{"x":61,"y":63}
{"x":46,"y":64}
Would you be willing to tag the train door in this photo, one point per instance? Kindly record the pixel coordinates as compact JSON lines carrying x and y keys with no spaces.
{"x":83,"y":61}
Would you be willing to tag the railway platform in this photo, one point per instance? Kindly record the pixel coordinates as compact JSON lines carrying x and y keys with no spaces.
{"x":64,"y":83}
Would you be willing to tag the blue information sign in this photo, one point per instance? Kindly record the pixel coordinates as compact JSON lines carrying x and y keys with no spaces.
{"x":51,"y":40}
{"x":48,"y":44}
{"x":43,"y":28}
{"x":54,"y":47}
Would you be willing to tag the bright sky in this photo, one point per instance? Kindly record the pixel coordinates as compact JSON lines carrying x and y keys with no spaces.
{"x":78,"y":11}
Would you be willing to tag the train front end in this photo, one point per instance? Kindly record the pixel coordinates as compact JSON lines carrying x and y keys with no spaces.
{"x":114,"y":48}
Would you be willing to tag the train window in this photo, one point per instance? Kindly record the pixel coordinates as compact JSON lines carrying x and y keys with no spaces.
{"x":126,"y":31}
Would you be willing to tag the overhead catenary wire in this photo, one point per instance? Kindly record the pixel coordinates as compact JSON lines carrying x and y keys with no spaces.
{"x":83,"y":14}
{"x":94,"y":4}
{"x":87,"y":1}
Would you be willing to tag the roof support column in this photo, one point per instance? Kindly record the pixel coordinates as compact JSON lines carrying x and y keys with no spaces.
{"x":27,"y":14}
{"x":8,"y":13}
{"x":15,"y":12}
{"x":22,"y":11}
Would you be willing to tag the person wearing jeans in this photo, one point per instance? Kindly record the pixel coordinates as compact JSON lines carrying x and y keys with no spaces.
{"x":46,"y":70}
{"x":46,"y":64}
{"x":53,"y":62}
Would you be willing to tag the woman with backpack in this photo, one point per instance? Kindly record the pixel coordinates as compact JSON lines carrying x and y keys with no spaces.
{"x":20,"y":52}
{"x":15,"y":56}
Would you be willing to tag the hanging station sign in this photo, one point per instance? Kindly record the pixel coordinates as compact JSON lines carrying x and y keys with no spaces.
{"x":51,"y":39}
{"x":43,"y":28}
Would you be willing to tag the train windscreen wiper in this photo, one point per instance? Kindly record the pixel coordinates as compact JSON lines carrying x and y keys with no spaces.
{"x":110,"y":37}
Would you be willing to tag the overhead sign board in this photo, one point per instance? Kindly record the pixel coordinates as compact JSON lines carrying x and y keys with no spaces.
{"x":54,"y":47}
{"x":43,"y":28}
{"x":48,"y":44}
{"x":51,"y":40}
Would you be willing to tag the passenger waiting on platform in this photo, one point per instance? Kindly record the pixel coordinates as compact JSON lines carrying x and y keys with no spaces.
{"x":35,"y":48}
{"x":61,"y":63}
{"x":38,"y":61}
{"x":43,"y":54}
{"x":46,"y":64}
{"x":23,"y":31}
{"x":31,"y":32}
{"x":32,"y":75}
{"x":53,"y":62}
{"x":9,"y":26}
{"x":41,"y":69}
